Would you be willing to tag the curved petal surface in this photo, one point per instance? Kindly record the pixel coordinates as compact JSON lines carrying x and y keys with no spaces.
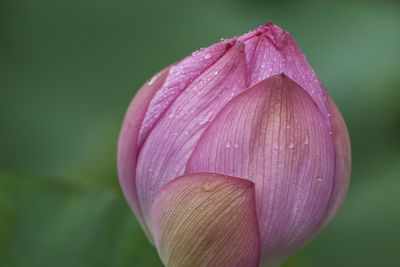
{"x":128,"y":143}
{"x":179,"y":78}
{"x":274,"y":135}
{"x":206,"y":219}
{"x":170,"y":143}
{"x":341,"y":142}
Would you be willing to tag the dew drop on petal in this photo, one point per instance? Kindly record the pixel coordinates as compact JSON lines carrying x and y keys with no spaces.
{"x":203,"y":121}
{"x":209,"y":187}
{"x":155,"y":77}
{"x":306,"y":140}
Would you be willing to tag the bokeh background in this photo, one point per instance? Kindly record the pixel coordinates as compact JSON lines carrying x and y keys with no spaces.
{"x":70,"y":68}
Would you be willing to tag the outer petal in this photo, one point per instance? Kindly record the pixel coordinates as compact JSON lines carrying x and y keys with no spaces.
{"x":172,"y":140}
{"x":274,"y":135}
{"x":179,"y":78}
{"x":341,"y":141}
{"x":145,"y":109}
{"x":128,"y":145}
{"x":206,"y":219}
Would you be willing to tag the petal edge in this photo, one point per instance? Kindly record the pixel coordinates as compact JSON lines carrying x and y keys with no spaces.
{"x":206,"y":219}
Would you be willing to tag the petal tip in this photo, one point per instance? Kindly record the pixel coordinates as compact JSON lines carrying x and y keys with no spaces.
{"x":207,"y":219}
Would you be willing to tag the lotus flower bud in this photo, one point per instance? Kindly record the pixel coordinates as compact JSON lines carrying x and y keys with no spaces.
{"x":236,"y":155}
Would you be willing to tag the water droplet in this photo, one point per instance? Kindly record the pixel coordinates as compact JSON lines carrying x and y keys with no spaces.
{"x":319,"y":178}
{"x":180,"y":115}
{"x":291,"y":145}
{"x":209,"y":187}
{"x":330,"y":132}
{"x":329,"y":114}
{"x":228,"y":145}
{"x":155,"y":77}
{"x":203,"y":121}
{"x":171,"y":115}
{"x":295,"y":209}
{"x":207,"y":56}
{"x":215,"y":72}
{"x":306,"y":140}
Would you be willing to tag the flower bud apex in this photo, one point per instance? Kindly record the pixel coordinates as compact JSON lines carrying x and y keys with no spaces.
{"x":238,"y":143}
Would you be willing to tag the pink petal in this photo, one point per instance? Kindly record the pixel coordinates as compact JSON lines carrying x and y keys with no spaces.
{"x":206,"y":219}
{"x":128,"y":145}
{"x":270,"y":51}
{"x":341,"y":142}
{"x":274,"y":135}
{"x":171,"y":141}
{"x":179,"y":78}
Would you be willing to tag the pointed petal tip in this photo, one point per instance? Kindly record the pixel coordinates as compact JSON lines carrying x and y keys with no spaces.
{"x":282,"y":80}
{"x":237,"y":45}
{"x":207,"y":219}
{"x":274,"y":34}
{"x":269,"y":26}
{"x":267,"y":29}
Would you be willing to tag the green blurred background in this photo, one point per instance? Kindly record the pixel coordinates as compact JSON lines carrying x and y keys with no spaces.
{"x":70,"y":68}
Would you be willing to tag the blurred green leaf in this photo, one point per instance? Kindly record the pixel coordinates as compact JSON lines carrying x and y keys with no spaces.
{"x":52,"y":222}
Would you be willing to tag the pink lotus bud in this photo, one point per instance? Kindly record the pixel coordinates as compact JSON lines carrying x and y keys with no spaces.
{"x":234,"y":155}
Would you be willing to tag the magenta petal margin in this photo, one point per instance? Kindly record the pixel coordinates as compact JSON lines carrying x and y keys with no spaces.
{"x":249,"y":107}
